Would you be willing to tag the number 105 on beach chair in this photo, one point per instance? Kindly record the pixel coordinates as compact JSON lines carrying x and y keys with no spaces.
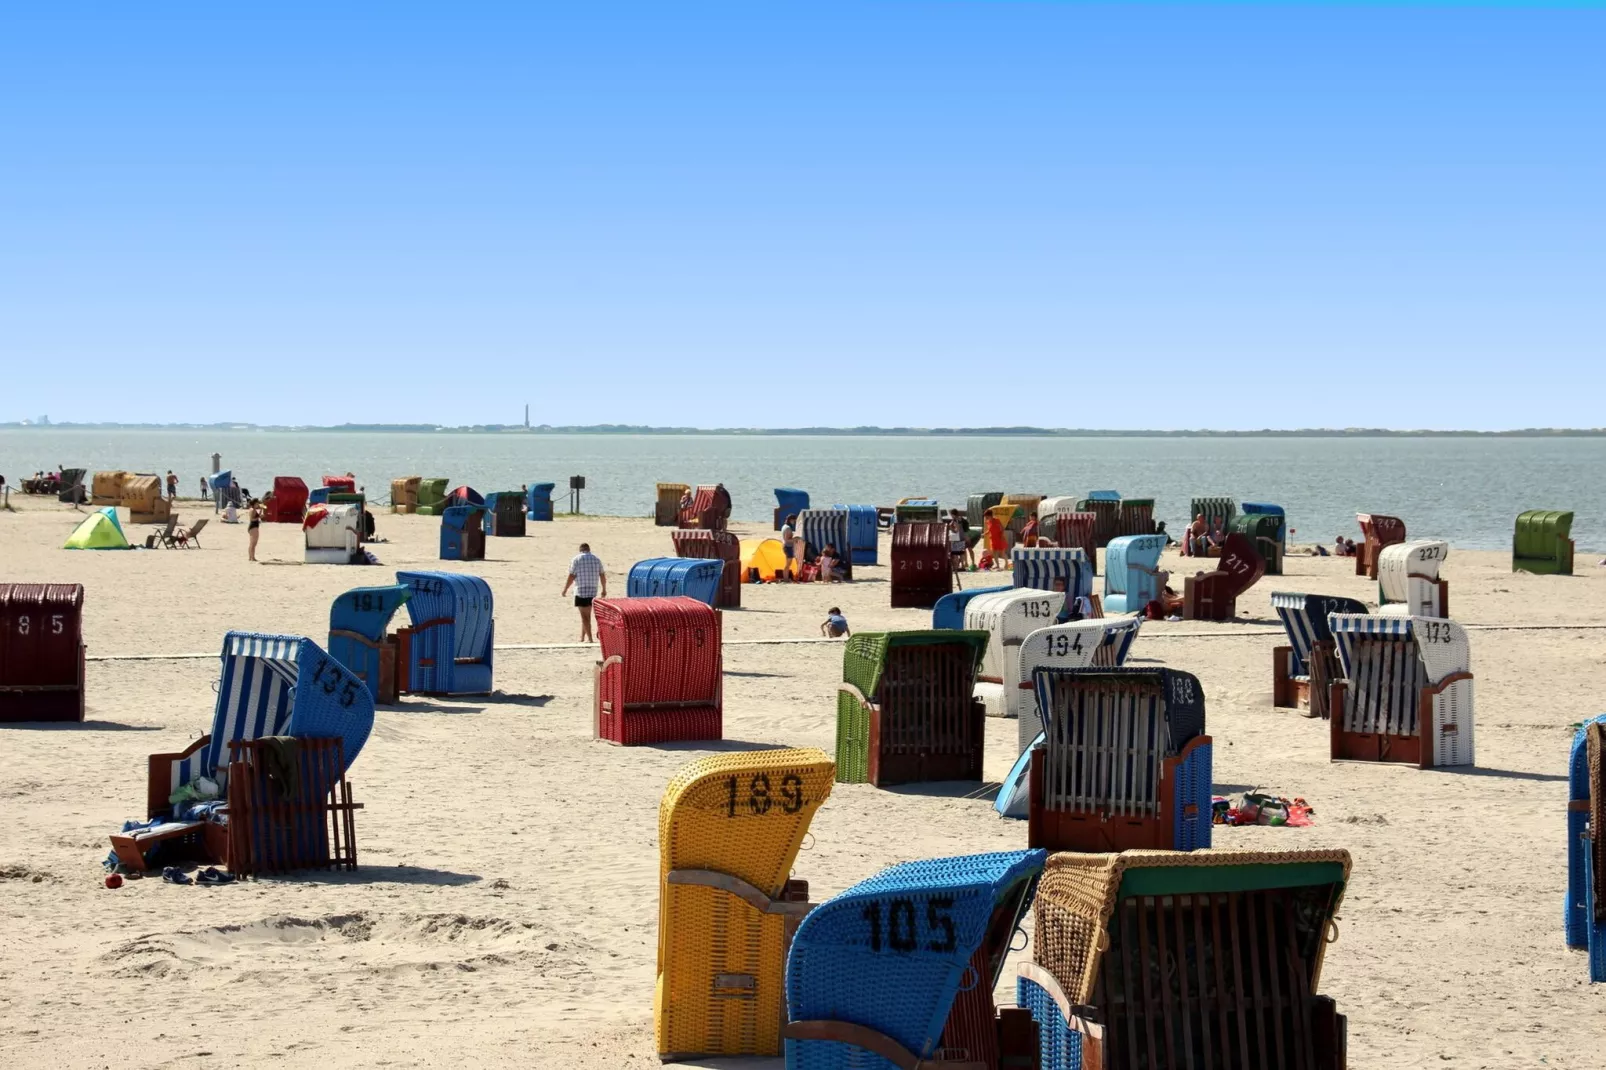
{"x":729,"y":829}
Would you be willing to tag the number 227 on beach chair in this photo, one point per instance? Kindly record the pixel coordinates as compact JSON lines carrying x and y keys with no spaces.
{"x":1154,"y":959}
{"x":729,"y":829}
{"x":898,"y":971}
{"x":1586,"y":845}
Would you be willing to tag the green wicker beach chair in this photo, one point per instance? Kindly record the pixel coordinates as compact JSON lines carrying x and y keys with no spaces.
{"x":1543,"y":543}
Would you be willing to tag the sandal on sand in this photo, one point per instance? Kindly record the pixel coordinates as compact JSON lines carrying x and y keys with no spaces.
{"x":174,"y":875}
{"x":213,"y":876}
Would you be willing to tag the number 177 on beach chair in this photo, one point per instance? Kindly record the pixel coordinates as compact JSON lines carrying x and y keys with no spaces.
{"x":729,"y":829}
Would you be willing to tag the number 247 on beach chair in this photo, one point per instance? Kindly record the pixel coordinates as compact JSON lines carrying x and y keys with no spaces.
{"x":729,"y":829}
{"x":899,"y":970}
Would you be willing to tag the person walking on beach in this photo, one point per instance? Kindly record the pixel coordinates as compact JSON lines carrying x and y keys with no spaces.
{"x":253,"y":531}
{"x":172,"y":485}
{"x":590,"y":581}
{"x":997,"y":548}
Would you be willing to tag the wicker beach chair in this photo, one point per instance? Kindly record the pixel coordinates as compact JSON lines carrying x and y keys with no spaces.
{"x":1406,"y":693}
{"x":1213,"y":510}
{"x":906,"y":711}
{"x":1085,"y":644}
{"x":899,"y":970}
{"x":271,"y":686}
{"x":449,"y":648}
{"x":1303,"y":671}
{"x":1543,"y":544}
{"x":1008,"y":617}
{"x":976,"y":505}
{"x":358,"y":621}
{"x":916,"y":511}
{"x":789,"y":502}
{"x":949,"y":612}
{"x":1105,"y":505}
{"x":666,"y":510}
{"x":1124,"y":761}
{"x":1042,"y":566}
{"x":1048,"y":511}
{"x":504,"y":514}
{"x":462,"y":533}
{"x":1214,"y":595}
{"x":41,"y":652}
{"x":864,"y":529}
{"x":430,"y":499}
{"x":710,"y":509}
{"x":660,"y":679}
{"x":1267,"y":534}
{"x":921,"y":570}
{"x":1131,"y":572}
{"x":665,"y":577}
{"x":404,"y":494}
{"x":723,"y":546}
{"x":1377,"y":531}
{"x":1080,"y":529}
{"x":1137,"y":516}
{"x":820,"y":527}
{"x":538,"y":502}
{"x":1408,"y":583}
{"x":729,"y":830}
{"x":1586,"y":845}
{"x":1155,"y":960}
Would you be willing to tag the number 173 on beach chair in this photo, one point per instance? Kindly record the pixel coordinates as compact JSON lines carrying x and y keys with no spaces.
{"x":729,"y":829}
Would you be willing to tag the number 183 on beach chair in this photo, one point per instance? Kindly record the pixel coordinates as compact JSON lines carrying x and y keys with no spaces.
{"x":729,"y":829}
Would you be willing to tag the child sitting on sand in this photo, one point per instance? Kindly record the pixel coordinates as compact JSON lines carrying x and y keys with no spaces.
{"x":835,"y":625}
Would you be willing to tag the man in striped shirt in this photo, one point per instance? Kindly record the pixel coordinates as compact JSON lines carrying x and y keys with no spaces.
{"x":589,"y":580}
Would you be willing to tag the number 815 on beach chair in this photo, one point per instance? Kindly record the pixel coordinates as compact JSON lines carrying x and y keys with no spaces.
{"x":899,"y":970}
{"x":729,"y":829}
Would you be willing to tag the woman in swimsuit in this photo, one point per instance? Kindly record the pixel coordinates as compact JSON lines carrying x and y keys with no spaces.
{"x":254,"y":531}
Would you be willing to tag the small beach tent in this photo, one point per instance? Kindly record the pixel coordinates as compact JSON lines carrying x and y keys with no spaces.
{"x":106,"y":488}
{"x":341,"y":484}
{"x":357,"y":623}
{"x":766,"y":555}
{"x":462,"y":533}
{"x":504,"y":514}
{"x":333,"y":535}
{"x":464,"y":495}
{"x":289,"y":500}
{"x":431,"y":496}
{"x":790,"y":500}
{"x":98,"y":531}
{"x":538,"y":502}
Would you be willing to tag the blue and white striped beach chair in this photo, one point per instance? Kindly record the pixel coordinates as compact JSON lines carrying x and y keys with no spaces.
{"x":1304,"y":618}
{"x":1406,"y":694}
{"x":899,"y":970}
{"x":1585,"y":915}
{"x":821,"y":526}
{"x":448,"y":649}
{"x":1041,"y":566}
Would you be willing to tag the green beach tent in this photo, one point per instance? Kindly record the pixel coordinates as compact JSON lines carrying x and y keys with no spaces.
{"x":99,"y":531}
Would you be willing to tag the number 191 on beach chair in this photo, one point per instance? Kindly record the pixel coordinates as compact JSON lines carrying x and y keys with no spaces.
{"x":899,"y":970}
{"x":729,"y":829}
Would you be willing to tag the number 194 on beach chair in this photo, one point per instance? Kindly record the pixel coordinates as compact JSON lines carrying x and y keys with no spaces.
{"x":729,"y":829}
{"x":899,"y":970}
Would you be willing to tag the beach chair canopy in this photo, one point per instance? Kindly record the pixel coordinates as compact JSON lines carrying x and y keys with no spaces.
{"x":1304,"y":618}
{"x":892,"y":954}
{"x":1008,"y":617}
{"x":1103,"y":642}
{"x":661,"y":577}
{"x":279,"y":685}
{"x":1041,"y":566}
{"x":1408,"y":578}
{"x":788,"y":501}
{"x":1543,"y":543}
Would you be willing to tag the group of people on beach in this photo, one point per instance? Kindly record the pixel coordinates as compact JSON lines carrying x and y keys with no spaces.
{"x":826,"y":566}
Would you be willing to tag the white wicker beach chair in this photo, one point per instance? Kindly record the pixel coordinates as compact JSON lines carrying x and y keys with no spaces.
{"x":1408,"y":583}
{"x":1084,"y":644}
{"x":1406,"y":695}
{"x":1008,"y":617}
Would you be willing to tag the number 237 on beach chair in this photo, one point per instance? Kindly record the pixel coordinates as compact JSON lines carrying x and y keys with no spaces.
{"x":1154,"y":959}
{"x":899,"y":970}
{"x":729,"y":829}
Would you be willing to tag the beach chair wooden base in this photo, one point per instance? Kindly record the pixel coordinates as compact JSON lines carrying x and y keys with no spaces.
{"x":1382,"y":747}
{"x":1095,"y":832}
{"x":1014,"y":1044}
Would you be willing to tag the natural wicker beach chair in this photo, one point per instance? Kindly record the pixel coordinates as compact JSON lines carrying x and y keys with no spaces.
{"x":1543,"y":543}
{"x":1131,"y":572}
{"x":905,"y":708}
{"x":1214,"y":595}
{"x":271,"y":685}
{"x":921,"y":570}
{"x":899,"y":970}
{"x":449,"y":649}
{"x":729,"y":830}
{"x":1156,"y":960}
{"x":1124,"y":761}
{"x":660,"y":679}
{"x":1408,"y":583}
{"x":1377,"y":531}
{"x":1406,"y":693}
{"x":358,"y":621}
{"x":666,"y":511}
{"x":1586,"y":845}
{"x":723,"y":546}
{"x":1303,"y":671}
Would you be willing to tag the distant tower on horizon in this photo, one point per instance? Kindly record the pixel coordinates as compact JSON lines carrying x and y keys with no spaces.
{"x":526,"y":415}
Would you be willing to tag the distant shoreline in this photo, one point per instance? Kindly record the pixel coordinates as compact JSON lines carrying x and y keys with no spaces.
{"x":862,"y":432}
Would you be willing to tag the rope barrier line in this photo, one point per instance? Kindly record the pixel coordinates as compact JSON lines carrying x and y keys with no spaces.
{"x":1241,"y":633}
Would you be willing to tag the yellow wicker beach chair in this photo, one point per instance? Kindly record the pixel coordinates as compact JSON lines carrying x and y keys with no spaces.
{"x":729,"y":828}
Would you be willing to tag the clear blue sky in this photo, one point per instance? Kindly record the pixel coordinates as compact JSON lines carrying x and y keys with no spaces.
{"x":774,"y":214}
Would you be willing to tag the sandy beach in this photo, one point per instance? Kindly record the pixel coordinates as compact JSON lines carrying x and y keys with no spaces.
{"x":504,"y":909}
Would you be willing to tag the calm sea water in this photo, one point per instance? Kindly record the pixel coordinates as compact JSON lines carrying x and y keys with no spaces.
{"x":1464,"y":490}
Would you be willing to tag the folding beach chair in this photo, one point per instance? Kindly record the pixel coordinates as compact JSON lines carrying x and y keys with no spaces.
{"x":1586,"y":845}
{"x":1406,"y":694}
{"x":164,"y":537}
{"x":729,"y":830}
{"x":1408,"y":583}
{"x":1303,"y":671}
{"x":271,"y":686}
{"x":1154,"y":959}
{"x":1124,"y":761}
{"x":899,"y":970}
{"x":905,"y":711}
{"x":660,"y":679}
{"x":192,"y":537}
